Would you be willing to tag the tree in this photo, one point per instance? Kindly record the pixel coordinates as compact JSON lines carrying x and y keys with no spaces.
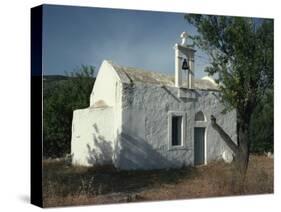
{"x":63,"y":95}
{"x":241,"y":54}
{"x":261,"y":129}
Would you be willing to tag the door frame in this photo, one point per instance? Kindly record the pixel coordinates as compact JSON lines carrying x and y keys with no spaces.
{"x":204,"y":143}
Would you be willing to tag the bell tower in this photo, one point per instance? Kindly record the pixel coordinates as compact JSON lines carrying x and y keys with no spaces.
{"x":184,"y":63}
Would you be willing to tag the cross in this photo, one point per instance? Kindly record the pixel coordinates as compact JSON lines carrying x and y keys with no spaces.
{"x":184,"y":37}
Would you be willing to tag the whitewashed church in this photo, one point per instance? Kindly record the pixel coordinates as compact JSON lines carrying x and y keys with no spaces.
{"x":145,"y":120}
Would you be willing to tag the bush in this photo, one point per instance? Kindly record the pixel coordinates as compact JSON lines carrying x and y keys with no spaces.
{"x":61,"y":96}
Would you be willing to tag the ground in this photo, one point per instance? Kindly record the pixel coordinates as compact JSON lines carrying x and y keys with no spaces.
{"x":67,"y":185}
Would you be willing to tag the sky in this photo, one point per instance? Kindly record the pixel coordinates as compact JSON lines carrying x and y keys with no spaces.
{"x":73,"y":36}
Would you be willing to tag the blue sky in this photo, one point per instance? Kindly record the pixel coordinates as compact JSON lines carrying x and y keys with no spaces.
{"x":85,"y":35}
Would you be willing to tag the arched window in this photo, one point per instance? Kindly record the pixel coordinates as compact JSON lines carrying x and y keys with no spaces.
{"x":199,"y":116}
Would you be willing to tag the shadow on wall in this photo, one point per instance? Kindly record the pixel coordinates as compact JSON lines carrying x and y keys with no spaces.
{"x":129,"y":152}
{"x":185,"y":99}
{"x":100,"y":153}
{"x":171,"y":94}
{"x":136,"y":153}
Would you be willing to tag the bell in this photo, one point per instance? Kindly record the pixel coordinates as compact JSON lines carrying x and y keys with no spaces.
{"x":184,"y":65}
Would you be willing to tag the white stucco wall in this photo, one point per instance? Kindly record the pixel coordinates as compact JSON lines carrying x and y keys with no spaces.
{"x":92,"y":136}
{"x":144,"y":142}
{"x":105,"y":86}
{"x":100,"y":123}
{"x":108,"y":88}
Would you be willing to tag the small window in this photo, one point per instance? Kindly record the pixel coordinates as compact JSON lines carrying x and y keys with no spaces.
{"x":199,"y":116}
{"x":177,"y":130}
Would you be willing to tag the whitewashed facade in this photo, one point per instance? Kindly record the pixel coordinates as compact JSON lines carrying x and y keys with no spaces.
{"x":144,"y":120}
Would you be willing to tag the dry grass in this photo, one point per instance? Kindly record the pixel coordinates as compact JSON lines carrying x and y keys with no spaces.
{"x":65,"y":185}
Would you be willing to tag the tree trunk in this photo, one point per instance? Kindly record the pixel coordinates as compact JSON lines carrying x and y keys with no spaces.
{"x":241,"y":160}
{"x":242,"y":156}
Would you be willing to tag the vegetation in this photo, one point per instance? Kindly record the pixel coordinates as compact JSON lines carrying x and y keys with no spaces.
{"x":67,"y":185}
{"x":62,"y":95}
{"x":261,"y":129}
{"x":241,"y":53}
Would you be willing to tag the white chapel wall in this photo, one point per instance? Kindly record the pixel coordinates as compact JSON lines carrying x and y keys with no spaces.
{"x":144,"y":137}
{"x":92,"y":136}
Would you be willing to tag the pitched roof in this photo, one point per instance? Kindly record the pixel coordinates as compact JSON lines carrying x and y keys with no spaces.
{"x":136,"y":75}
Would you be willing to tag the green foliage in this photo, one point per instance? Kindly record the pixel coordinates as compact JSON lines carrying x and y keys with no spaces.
{"x":262,"y":125}
{"x":241,"y":53}
{"x":62,"y":95}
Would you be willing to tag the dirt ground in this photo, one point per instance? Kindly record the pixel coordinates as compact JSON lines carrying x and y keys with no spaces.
{"x":64,"y":185}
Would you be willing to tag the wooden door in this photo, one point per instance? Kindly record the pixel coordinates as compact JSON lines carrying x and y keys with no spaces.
{"x":199,"y":145}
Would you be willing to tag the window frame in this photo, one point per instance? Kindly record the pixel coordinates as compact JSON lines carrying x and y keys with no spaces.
{"x":172,"y":114}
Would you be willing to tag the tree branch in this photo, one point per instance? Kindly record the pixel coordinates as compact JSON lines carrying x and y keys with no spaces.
{"x":224,"y":135}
